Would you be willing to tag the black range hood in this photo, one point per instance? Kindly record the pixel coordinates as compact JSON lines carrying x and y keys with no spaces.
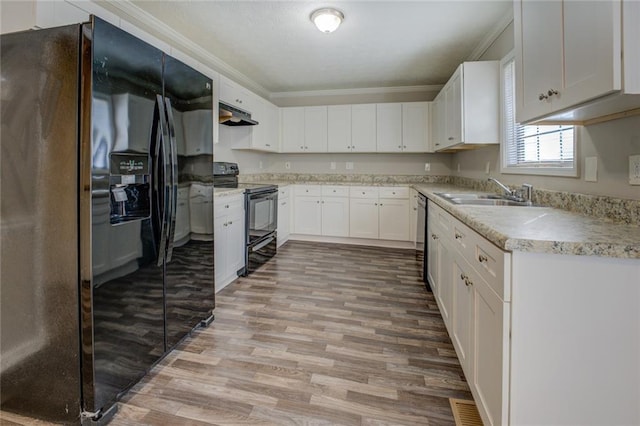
{"x":232,"y":116}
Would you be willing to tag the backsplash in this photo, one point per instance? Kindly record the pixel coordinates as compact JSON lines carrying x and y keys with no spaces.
{"x":613,"y":209}
{"x":365,"y":179}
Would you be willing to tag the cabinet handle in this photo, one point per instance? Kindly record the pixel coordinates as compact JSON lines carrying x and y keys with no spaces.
{"x":458,"y":236}
{"x":552,"y":92}
{"x":404,"y":146}
{"x":306,"y":147}
{"x":399,"y":146}
{"x":323,"y":202}
{"x":318,"y":202}
{"x":482,"y":258}
{"x":284,"y":203}
{"x":463,"y":277}
{"x":437,"y":144}
{"x":225,"y":224}
{"x":230,"y":222}
{"x":353,"y":146}
{"x":468,"y":282}
{"x":375,"y":204}
{"x":227,"y":206}
{"x":268,"y":144}
{"x":434,"y":236}
{"x":542,"y":97}
{"x":450,"y":138}
{"x":381,"y":204}
{"x":415,"y":208}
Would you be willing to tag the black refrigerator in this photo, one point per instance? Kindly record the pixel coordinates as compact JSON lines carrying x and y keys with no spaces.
{"x":102,"y":137}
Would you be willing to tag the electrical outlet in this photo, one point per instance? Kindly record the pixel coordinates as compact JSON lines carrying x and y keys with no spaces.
{"x":349,"y":165}
{"x":260,"y":165}
{"x":591,"y":169}
{"x":458,"y":167}
{"x":634,"y":170}
{"x":332,"y":165}
{"x":427,"y":167}
{"x":287,"y":165}
{"x":487,"y":167}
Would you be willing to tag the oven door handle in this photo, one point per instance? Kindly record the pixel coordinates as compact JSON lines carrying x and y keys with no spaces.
{"x":262,"y":244}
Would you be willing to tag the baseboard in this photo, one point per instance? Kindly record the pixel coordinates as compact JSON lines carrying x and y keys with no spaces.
{"x":353,"y":241}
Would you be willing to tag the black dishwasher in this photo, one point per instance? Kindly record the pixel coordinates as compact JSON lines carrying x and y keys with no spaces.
{"x":421,"y":233}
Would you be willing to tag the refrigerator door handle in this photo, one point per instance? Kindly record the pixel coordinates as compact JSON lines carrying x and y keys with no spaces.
{"x":161,"y":166}
{"x":174,"y":178}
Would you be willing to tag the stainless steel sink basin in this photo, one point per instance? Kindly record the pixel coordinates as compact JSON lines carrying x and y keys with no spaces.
{"x":472,"y":199}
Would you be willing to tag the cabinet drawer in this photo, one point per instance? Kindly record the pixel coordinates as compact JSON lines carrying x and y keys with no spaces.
{"x":231,"y":206}
{"x":283,"y":192}
{"x":335,"y":191}
{"x":309,"y":190}
{"x":363,"y":192}
{"x":439,"y":216}
{"x":493,"y":265}
{"x":394,"y":192}
{"x":463,"y":239}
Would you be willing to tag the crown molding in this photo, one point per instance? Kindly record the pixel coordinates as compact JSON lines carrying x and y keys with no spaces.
{"x":363,"y":91}
{"x":491,"y":37}
{"x":132,"y":13}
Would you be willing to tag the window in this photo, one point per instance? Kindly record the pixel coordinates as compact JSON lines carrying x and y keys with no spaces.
{"x":532,"y":149}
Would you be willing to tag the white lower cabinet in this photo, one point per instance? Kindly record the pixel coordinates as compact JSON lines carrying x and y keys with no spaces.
{"x":394,"y":219}
{"x":284,"y":215}
{"x":542,"y":338}
{"x":469,"y":277}
{"x":229,"y":241}
{"x":321,"y":210}
{"x":363,"y":218}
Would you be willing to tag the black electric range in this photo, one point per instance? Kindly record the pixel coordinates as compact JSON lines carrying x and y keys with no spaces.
{"x":261,"y":214}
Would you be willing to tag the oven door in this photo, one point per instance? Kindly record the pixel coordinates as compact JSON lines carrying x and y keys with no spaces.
{"x":262,"y":215}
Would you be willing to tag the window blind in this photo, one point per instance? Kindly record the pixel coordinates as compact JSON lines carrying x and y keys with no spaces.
{"x":533,"y":146}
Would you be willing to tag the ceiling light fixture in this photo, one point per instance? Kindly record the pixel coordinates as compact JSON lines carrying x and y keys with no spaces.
{"x":327,"y":20}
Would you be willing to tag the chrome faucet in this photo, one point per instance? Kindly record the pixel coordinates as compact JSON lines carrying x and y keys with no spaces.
{"x":507,"y":192}
{"x":522,"y":195}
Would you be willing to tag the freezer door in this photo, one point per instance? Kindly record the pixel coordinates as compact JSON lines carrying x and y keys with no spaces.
{"x":189,"y":265}
{"x":39,"y":341}
{"x":122,"y":210}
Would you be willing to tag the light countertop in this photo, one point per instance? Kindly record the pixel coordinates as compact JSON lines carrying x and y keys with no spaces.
{"x":541,"y":229}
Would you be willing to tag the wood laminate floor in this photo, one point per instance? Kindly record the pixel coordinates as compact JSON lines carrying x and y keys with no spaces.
{"x":323,"y":334}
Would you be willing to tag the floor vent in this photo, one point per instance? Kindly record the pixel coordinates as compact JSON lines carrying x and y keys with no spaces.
{"x":465,"y":412}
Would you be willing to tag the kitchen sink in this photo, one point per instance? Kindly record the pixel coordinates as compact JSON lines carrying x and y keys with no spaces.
{"x":474,"y":199}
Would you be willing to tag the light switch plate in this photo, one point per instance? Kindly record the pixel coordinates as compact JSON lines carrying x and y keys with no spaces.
{"x":349,"y":165}
{"x":287,"y":165}
{"x":332,"y":165}
{"x":487,"y":168}
{"x":427,"y":167}
{"x":634,"y":170}
{"x":591,"y":169}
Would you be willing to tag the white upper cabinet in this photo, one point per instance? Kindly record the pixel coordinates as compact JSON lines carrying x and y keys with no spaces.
{"x":315,"y":129}
{"x":234,"y":94}
{"x":389,"y":127}
{"x":571,"y":61}
{"x":363,"y":128}
{"x":304,"y":129}
{"x":438,"y":122}
{"x":471,"y":104}
{"x":415,"y":127}
{"x":264,"y":135}
{"x":292,"y":129}
{"x":339,"y":128}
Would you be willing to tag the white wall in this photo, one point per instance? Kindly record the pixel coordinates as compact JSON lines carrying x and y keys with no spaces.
{"x":611,"y":142}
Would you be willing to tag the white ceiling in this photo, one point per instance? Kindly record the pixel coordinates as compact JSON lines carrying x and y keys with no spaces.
{"x":380,"y":43}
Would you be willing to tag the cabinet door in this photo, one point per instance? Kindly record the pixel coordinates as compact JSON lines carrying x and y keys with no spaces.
{"x":394,"y":219}
{"x":438,"y":123}
{"x":444,"y":266}
{"x":273,"y":130}
{"x":413,"y":214}
{"x":293,"y":129}
{"x":335,"y":216}
{"x":453,"y":105}
{"x":389,"y":127}
{"x":233,"y":94}
{"x":491,"y":352}
{"x":235,"y":244}
{"x":284,"y":219}
{"x":307,"y":216}
{"x":220,"y":250}
{"x":462,"y":311}
{"x":538,"y":56}
{"x":363,"y":218}
{"x":415,"y":127}
{"x":363,"y":128}
{"x":339,"y":128}
{"x":260,"y":132}
{"x":592,"y":51}
{"x":315,"y":129}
